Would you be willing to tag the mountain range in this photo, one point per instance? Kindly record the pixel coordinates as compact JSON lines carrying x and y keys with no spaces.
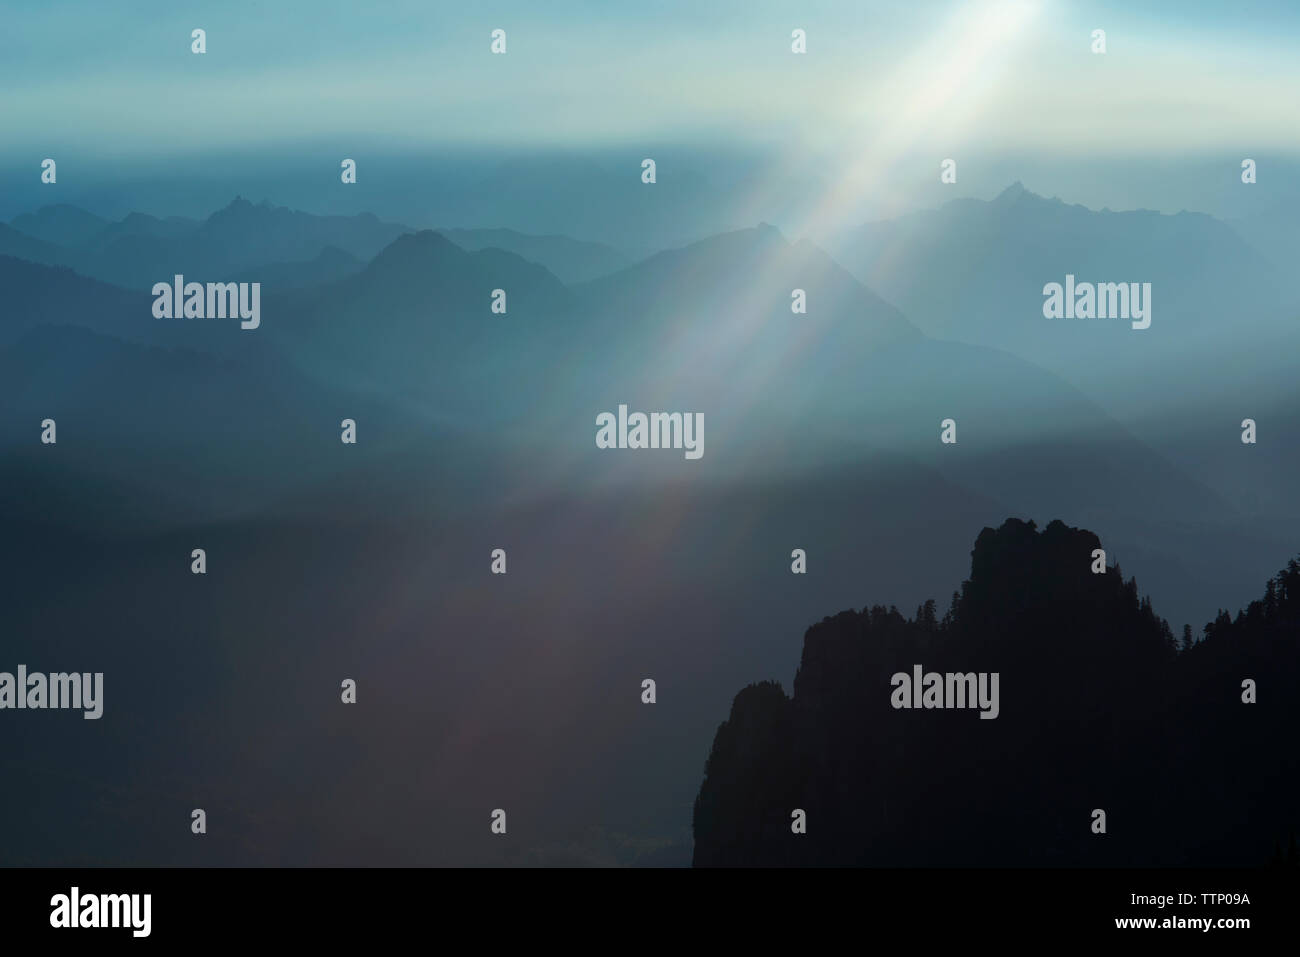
{"x":476,"y":430}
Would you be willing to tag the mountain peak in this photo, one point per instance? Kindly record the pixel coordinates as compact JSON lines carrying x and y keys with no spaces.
{"x":241,"y":205}
{"x":1012,"y":193}
{"x":753,"y":239}
{"x":60,"y":223}
{"x":420,"y":239}
{"x":411,"y":250}
{"x":237,"y":209}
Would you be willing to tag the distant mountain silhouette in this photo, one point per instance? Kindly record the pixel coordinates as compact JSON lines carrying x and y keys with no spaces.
{"x":187,"y":434}
{"x":696,"y":327}
{"x":140,"y":250}
{"x":418,"y":320}
{"x":974,"y":271}
{"x":853,"y":378}
{"x":61,"y":224}
{"x":39,"y":295}
{"x":265,"y":233}
{"x":571,"y":260}
{"x":36,"y":295}
{"x":22,"y":246}
{"x":967,"y":269}
{"x":142,"y":224}
{"x":329,"y":265}
{"x":746,"y":278}
{"x":705,"y":328}
{"x":1097,"y":710}
{"x":260,"y":239}
{"x":1273,"y":231}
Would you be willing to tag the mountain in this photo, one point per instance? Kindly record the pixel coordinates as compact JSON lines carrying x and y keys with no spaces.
{"x":475,"y":431}
{"x":331,"y":264}
{"x":974,"y":271}
{"x":1273,"y":231}
{"x":21,"y":246}
{"x":60,"y":224}
{"x":180,"y":433}
{"x":707,"y":328}
{"x":369,"y":578}
{"x":745,"y":279}
{"x":711,"y":326}
{"x":240,"y":238}
{"x":142,"y":224}
{"x":38,"y":295}
{"x":290,"y":247}
{"x":1258,"y":478}
{"x":1095,"y":709}
{"x":417,"y":322}
{"x":261,"y":237}
{"x":263,"y":233}
{"x":571,"y":260}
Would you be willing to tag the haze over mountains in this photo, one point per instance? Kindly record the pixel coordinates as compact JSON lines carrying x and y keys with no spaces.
{"x":975,"y":271}
{"x":476,"y":430}
{"x":243,"y":236}
{"x":361,"y":306}
{"x":462,"y":261}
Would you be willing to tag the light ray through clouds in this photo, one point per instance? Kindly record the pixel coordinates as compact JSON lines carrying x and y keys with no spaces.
{"x":953,"y":72}
{"x":941,"y":86}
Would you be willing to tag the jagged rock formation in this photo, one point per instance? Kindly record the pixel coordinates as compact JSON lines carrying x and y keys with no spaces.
{"x":1098,"y":709}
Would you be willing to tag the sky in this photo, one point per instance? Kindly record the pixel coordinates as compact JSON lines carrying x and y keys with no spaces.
{"x":1008,"y":88}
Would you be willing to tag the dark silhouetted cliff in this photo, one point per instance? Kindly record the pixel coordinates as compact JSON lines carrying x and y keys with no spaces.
{"x":1097,"y":710}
